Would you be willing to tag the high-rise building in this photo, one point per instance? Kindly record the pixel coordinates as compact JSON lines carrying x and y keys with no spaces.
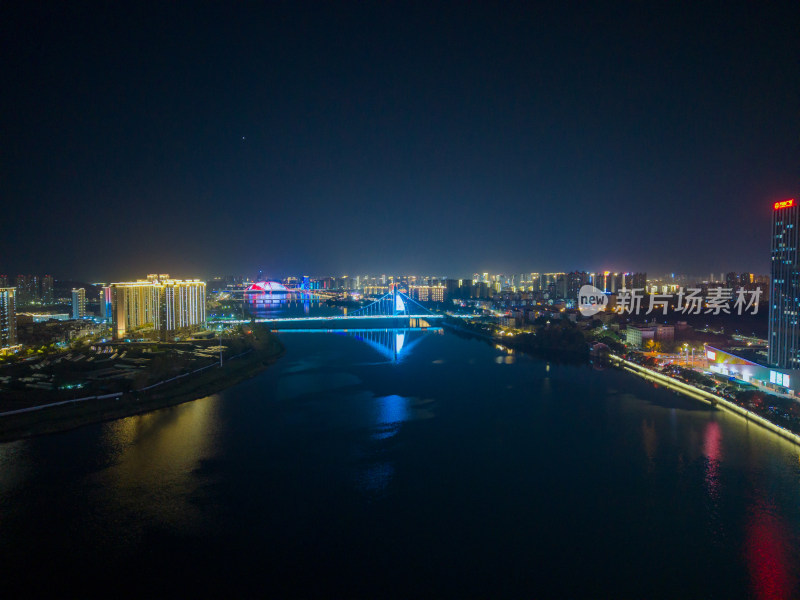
{"x":34,"y":288}
{"x":166,"y":306}
{"x":608,"y":282}
{"x":24,"y":292}
{"x":134,"y":306}
{"x":575,"y":281}
{"x":555,"y":284}
{"x":453,"y":288}
{"x":47,"y":290}
{"x":8,"y":317}
{"x":616,"y":282}
{"x":480,"y":290}
{"x":78,"y":303}
{"x":105,"y":302}
{"x":784,"y":292}
{"x":561,"y":285}
{"x":428,"y":293}
{"x":634,"y":281}
{"x":3,"y":281}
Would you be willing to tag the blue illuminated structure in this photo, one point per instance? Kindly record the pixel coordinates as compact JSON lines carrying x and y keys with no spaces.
{"x":393,"y":304}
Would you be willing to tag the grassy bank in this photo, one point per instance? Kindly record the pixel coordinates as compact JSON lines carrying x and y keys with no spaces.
{"x":52,"y":419}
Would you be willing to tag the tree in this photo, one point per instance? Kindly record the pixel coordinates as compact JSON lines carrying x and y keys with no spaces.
{"x":653,"y":346}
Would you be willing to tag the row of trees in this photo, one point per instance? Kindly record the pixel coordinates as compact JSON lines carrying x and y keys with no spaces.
{"x":561,"y":338}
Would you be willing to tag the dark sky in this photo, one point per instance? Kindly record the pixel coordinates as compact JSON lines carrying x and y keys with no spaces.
{"x":325,"y":138}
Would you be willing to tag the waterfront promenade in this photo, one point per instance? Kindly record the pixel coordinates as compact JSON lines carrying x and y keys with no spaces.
{"x":704,"y":396}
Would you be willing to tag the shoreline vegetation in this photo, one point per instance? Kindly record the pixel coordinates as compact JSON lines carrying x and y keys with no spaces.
{"x":258,"y":350}
{"x":561,"y":340}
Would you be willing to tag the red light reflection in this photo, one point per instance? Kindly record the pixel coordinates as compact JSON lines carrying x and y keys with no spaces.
{"x":768,"y":556}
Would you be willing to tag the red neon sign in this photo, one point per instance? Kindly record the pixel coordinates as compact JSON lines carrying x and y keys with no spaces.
{"x":784,"y":204}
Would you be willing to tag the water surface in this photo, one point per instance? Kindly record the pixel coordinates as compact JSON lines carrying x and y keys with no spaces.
{"x":455,"y":469}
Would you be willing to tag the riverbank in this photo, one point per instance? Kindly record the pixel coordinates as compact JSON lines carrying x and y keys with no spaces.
{"x":63,"y":416}
{"x":704,"y":396}
{"x":560,"y":342}
{"x":674,"y":384}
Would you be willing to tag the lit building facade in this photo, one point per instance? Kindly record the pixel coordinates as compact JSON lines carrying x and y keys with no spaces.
{"x":166,"y":306}
{"x":428,"y":293}
{"x":78,"y":303}
{"x":637,"y":335}
{"x":607,"y":281}
{"x":784,"y":292}
{"x":375,"y":290}
{"x":8,"y":317}
{"x":785,"y":381}
{"x":182,"y":305}
{"x":133,"y":307}
{"x":105,"y":302}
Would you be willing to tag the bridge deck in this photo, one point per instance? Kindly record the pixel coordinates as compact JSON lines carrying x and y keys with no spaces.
{"x":332,"y":318}
{"x":357,"y":330}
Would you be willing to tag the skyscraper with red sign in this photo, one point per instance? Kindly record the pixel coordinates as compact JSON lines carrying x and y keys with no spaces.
{"x":784,"y":291}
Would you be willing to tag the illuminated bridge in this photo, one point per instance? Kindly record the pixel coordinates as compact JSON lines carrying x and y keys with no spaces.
{"x":393,"y":304}
{"x":390,"y":310}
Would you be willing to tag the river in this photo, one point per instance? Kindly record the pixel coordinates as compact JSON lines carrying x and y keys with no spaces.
{"x":434,"y":466}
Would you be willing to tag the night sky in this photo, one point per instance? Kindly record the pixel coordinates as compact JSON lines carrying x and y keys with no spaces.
{"x":311,"y":138}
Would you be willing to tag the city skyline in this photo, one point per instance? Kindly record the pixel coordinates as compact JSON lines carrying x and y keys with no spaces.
{"x":45,"y":292}
{"x":400,"y":299}
{"x":291,"y":138}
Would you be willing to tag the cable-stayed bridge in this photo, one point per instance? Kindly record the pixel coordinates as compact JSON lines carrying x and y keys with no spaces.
{"x":396,"y":304}
{"x":390,"y":310}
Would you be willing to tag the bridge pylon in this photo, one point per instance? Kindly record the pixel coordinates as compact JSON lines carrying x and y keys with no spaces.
{"x":393,"y":304}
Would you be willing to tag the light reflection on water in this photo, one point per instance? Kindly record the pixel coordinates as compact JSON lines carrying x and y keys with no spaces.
{"x":392,"y":412}
{"x":332,"y":457}
{"x":375,"y":478}
{"x":650,"y":440}
{"x":287,"y":305}
{"x":712,"y":448}
{"x":770,"y":559}
{"x":155,"y":459}
{"x":15,"y":464}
